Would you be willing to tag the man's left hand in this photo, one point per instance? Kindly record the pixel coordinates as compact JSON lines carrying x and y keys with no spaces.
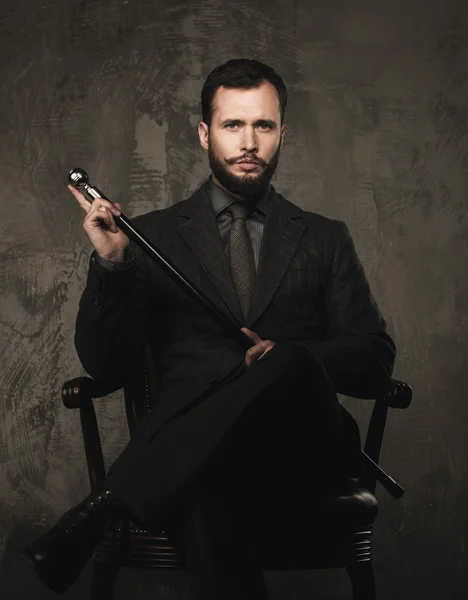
{"x":259,"y":350}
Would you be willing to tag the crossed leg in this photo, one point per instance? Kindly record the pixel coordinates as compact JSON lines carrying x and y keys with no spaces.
{"x":291,"y":426}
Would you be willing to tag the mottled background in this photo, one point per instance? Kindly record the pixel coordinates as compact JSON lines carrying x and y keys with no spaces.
{"x":377,"y":137}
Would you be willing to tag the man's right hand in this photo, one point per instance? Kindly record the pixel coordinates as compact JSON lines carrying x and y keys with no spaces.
{"x":108,"y":240}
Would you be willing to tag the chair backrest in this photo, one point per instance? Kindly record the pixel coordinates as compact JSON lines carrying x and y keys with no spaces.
{"x":141,"y":389}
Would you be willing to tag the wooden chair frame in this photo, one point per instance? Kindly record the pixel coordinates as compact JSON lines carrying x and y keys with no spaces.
{"x":130,"y":546}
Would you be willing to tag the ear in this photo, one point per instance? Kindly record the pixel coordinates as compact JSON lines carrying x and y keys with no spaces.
{"x":203,"y":130}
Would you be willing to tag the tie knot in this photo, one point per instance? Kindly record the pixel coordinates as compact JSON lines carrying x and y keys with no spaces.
{"x":240,"y":210}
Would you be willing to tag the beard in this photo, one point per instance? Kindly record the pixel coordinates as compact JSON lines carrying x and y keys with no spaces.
{"x":251,"y":185}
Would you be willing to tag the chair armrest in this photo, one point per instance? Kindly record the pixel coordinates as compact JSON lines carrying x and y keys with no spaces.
{"x":388,"y":393}
{"x":79,"y":392}
{"x":394,"y":393}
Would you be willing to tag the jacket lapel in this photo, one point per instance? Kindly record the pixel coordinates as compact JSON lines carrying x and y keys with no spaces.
{"x":199,"y":231}
{"x":281,"y":237}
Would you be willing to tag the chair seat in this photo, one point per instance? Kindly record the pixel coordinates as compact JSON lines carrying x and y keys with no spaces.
{"x":303,"y":532}
{"x":348,"y":509}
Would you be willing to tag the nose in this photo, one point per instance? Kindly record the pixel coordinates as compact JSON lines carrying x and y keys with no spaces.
{"x":249,"y":142}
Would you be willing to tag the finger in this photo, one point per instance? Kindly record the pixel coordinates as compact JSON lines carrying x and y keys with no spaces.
{"x":252,"y":358}
{"x":87,"y":205}
{"x":111,"y":224}
{"x":254,"y":353}
{"x":99,"y":203}
{"x":82,"y":200}
{"x":99,"y":216}
{"x":251,"y":335}
{"x":109,"y":219}
{"x":267,"y":349}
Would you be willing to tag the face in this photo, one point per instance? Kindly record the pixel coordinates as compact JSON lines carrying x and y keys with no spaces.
{"x":246,"y":125}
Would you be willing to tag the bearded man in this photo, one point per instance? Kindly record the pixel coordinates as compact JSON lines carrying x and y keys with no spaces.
{"x":217,"y":451}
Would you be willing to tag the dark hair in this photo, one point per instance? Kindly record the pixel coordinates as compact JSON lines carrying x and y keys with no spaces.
{"x":241,"y":73}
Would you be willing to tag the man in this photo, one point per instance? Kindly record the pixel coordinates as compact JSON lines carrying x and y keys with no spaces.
{"x":232,"y":429}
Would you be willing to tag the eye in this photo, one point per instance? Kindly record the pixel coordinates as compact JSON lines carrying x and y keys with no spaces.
{"x":230,"y":125}
{"x":265,"y":125}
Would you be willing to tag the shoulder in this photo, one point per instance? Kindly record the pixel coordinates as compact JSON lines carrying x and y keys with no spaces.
{"x":316,"y":223}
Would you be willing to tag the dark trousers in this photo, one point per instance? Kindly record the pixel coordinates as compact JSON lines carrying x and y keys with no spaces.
{"x":213,"y":472}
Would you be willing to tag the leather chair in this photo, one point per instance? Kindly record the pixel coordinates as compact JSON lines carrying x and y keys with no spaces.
{"x":340,"y":537}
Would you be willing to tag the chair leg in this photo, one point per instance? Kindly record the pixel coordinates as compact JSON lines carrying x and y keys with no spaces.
{"x":103,"y":581}
{"x":362,"y":580}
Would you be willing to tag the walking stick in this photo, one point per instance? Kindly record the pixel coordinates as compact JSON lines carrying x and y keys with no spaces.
{"x":78,"y":178}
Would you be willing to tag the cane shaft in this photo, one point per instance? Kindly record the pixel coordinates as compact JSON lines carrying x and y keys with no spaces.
{"x":165,"y":264}
{"x":79,"y":179}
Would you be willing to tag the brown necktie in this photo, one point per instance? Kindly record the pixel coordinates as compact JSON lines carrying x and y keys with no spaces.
{"x":241,"y":256}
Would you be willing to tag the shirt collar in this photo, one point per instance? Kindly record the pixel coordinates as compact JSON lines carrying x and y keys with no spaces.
{"x":221,"y":199}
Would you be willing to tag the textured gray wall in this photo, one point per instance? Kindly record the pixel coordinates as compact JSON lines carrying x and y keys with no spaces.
{"x":377,"y":137}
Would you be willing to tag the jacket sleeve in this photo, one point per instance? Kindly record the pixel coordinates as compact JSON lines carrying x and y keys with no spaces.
{"x":113,"y":318}
{"x":356,"y":346}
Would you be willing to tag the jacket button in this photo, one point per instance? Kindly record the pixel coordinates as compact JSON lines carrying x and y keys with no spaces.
{"x":96,"y":301}
{"x":213,"y":380}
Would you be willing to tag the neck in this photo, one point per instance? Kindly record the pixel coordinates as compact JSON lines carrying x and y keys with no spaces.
{"x":250,"y":200}
{"x":215,"y":180}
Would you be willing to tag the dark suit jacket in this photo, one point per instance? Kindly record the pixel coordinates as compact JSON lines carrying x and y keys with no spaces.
{"x":310,"y":289}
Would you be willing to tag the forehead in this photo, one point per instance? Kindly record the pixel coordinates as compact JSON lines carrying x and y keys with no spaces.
{"x":254,"y":103}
